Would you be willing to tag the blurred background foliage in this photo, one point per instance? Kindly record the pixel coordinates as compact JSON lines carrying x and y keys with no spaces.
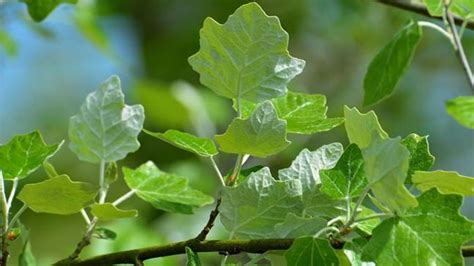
{"x":47,"y":68}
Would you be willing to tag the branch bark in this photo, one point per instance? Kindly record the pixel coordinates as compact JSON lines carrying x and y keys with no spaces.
{"x":223,"y":246}
{"x":420,"y":9}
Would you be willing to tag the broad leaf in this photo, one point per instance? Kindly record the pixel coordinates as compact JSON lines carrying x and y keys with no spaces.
{"x":462,"y":109}
{"x":447,"y":182}
{"x":23,"y":154}
{"x":435,"y":231}
{"x":200,"y":146}
{"x":40,"y":9}
{"x":362,"y":129}
{"x":246,"y":57}
{"x":347,"y":179}
{"x":107,"y":211}
{"x":318,"y":204}
{"x":462,"y":8}
{"x":58,"y":195}
{"x":390,"y":63}
{"x":260,"y":135}
{"x":193,"y":258}
{"x":295,"y":226}
{"x":304,"y":113}
{"x":106,"y":129}
{"x":311,"y":251}
{"x":420,"y":157}
{"x":255,"y":206}
{"x":164,"y":191}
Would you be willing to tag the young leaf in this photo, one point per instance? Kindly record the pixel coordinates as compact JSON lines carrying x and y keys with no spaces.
{"x":295,"y":226}
{"x":255,"y":206}
{"x":362,"y":129}
{"x":106,"y":129}
{"x":420,"y":157}
{"x":353,"y":251}
{"x":104,"y":233}
{"x":200,"y":146}
{"x":462,"y":8}
{"x":311,"y":251}
{"x":58,"y":195}
{"x":26,"y":257}
{"x":434,"y":229}
{"x":107,"y":211}
{"x":49,"y":169}
{"x":260,"y":135}
{"x":111,"y":173}
{"x":164,"y":191}
{"x":462,"y":110}
{"x":347,"y":179}
{"x":390,"y":63}
{"x":23,"y":154}
{"x":193,"y":258}
{"x":246,"y":57}
{"x":40,"y":9}
{"x":447,"y":182}
{"x":304,"y":113}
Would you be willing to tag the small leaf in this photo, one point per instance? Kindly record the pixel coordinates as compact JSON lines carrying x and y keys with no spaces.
{"x":26,"y":257}
{"x":106,"y":129}
{"x":462,"y":8}
{"x":193,"y":258}
{"x":311,"y":251}
{"x":261,"y":135}
{"x":255,"y":206}
{"x":246,"y":57}
{"x":58,"y":195}
{"x":40,"y":9}
{"x":23,"y":154}
{"x":420,"y":157}
{"x":447,"y":182}
{"x":435,"y":231}
{"x":200,"y":146}
{"x":111,"y":173}
{"x":9,"y":44}
{"x":104,"y":233}
{"x":347,"y":179}
{"x":362,"y":129}
{"x":164,"y":191}
{"x":107,"y":211}
{"x":462,"y":110}
{"x":390,"y":64}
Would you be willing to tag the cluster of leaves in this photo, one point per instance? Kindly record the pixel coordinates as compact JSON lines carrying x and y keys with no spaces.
{"x":375,"y":200}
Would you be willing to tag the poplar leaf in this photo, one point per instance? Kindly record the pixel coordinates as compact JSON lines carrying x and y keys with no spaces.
{"x":246,"y":57}
{"x":420,"y":157}
{"x":462,"y":110}
{"x":447,"y":182}
{"x":40,"y":9}
{"x":193,"y":258}
{"x":295,"y":226}
{"x":106,"y":129}
{"x":23,"y":154}
{"x":311,"y":251}
{"x":107,"y":211}
{"x":200,"y":146}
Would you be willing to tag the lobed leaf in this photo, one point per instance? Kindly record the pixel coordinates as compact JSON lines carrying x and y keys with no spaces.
{"x":362,"y":129}
{"x":106,"y":129}
{"x":311,"y":251}
{"x":462,"y":110}
{"x":58,"y":195}
{"x":447,"y":182}
{"x":164,"y":191}
{"x":462,"y":8}
{"x":23,"y":154}
{"x":200,"y":146}
{"x":420,"y":157}
{"x":246,"y":57}
{"x":107,"y":211}
{"x":260,"y":135}
{"x":295,"y":226}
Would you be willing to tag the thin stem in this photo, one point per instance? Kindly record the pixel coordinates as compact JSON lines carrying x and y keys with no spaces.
{"x":334,"y":220}
{"x":326,"y":229}
{"x":218,"y":172}
{"x":436,"y":27}
{"x":373,"y":216}
{"x":17,"y":215}
{"x":5,"y":211}
{"x":103,"y":185}
{"x":210,"y":223}
{"x":12,"y":193}
{"x":358,"y":203}
{"x":459,"y":48}
{"x":236,"y":171}
{"x":124,"y":197}
{"x":86,"y":217}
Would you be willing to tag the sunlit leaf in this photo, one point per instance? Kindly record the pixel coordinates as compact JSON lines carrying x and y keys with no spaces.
{"x":23,"y":154}
{"x":362,"y":129}
{"x":311,"y":251}
{"x":106,"y":129}
{"x":246,"y":57}
{"x":107,"y":211}
{"x":40,"y":9}
{"x":462,"y":110}
{"x":447,"y":182}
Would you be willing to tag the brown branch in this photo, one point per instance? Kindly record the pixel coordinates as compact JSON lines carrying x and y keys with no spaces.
{"x":210,"y":223}
{"x":421,"y":9}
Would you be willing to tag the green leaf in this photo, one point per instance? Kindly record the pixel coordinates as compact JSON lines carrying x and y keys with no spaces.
{"x":434,"y":230}
{"x":23,"y":154}
{"x":200,"y":146}
{"x":255,"y":206}
{"x":111,"y":173}
{"x":447,"y":182}
{"x":58,"y":195}
{"x":462,"y":110}
{"x":40,"y":9}
{"x":295,"y":226}
{"x":362,"y":129}
{"x":304,"y":113}
{"x":49,"y":169}
{"x":26,"y":257}
{"x":106,"y":129}
{"x":107,"y":211}
{"x":260,"y":135}
{"x":164,"y":191}
{"x":87,"y":23}
{"x":311,"y":251}
{"x":462,"y":8}
{"x":246,"y":57}
{"x":193,"y":258}
{"x":390,"y":63}
{"x":420,"y":157}
{"x":318,"y":204}
{"x":104,"y":233}
{"x":353,"y":251}
{"x":8,"y":43}
{"x":347,"y":179}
